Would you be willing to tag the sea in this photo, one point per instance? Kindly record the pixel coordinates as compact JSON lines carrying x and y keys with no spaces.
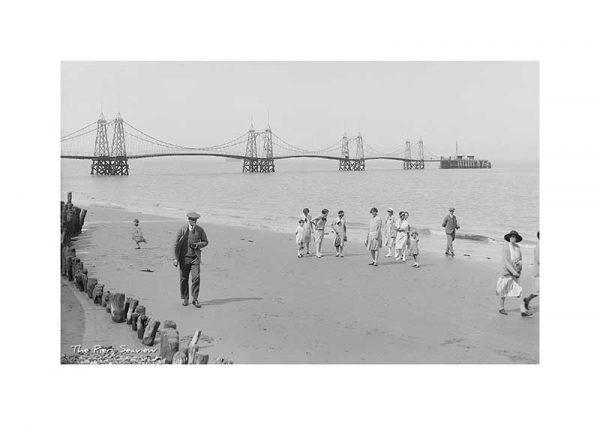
{"x":489,"y":202}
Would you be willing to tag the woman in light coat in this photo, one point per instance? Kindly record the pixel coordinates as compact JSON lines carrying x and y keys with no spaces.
{"x":512,"y":264}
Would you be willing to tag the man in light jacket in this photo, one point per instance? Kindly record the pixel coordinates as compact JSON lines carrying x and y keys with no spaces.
{"x":451,"y":226}
{"x":191,"y":238}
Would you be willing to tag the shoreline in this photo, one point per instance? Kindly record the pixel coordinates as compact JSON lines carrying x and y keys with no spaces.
{"x":431,"y":241}
{"x":261,"y":304}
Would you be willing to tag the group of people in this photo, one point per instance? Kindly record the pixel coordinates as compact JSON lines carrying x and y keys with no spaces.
{"x":307,"y":227}
{"x":394,"y":233}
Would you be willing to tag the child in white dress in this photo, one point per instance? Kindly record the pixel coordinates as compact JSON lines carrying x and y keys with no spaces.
{"x":300,"y":237}
{"x":414,"y":247}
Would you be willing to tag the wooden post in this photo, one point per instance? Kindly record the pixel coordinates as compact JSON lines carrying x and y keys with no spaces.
{"x":198,"y":358}
{"x":69,"y":269}
{"x":69,"y":197}
{"x":141,"y":325}
{"x":194,"y":357}
{"x":97,"y":294}
{"x":84,"y":280}
{"x":92,"y":282}
{"x":150,"y":332}
{"x":79,"y":281}
{"x":131,"y":306}
{"x":134,"y":319}
{"x":117,"y":307}
{"x":82,"y":219}
{"x":169,"y":341}
{"x":106,"y":298}
{"x":180,"y":358}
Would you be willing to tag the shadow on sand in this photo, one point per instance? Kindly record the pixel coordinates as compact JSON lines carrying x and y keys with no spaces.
{"x":220,"y":301}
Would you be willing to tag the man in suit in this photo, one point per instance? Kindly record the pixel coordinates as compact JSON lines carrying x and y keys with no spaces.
{"x":190,"y":240}
{"x":451,"y":226}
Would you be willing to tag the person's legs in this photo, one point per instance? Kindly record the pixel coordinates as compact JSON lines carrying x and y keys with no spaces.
{"x":184,"y":276}
{"x":502,"y":311}
{"x":342,"y":247}
{"x":195,"y":269}
{"x":448,"y":243}
{"x":376,"y":256}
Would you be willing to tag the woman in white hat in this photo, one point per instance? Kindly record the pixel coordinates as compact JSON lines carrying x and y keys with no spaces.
{"x":512,"y":264}
{"x":403,"y":230}
{"x":389,"y":232}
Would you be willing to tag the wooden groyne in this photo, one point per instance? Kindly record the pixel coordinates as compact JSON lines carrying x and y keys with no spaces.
{"x":121,"y":309}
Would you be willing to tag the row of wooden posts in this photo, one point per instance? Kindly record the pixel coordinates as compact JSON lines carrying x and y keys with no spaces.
{"x":122,"y":309}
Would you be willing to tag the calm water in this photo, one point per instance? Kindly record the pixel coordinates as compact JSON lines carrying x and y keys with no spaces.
{"x":488,"y":202}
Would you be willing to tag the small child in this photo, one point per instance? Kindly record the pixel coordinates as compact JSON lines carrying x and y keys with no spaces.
{"x":414,"y":247}
{"x":300,"y":237}
{"x":138,"y":236}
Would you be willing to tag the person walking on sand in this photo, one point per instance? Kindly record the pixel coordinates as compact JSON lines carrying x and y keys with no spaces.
{"x":535,"y":290}
{"x":190,"y":240}
{"x":307,"y":229}
{"x":339,"y":227}
{"x":137,"y":235}
{"x":389,"y":232}
{"x":512,"y":264}
{"x":451,"y":226}
{"x":319,"y":224}
{"x":300,"y":237}
{"x":414,"y":248}
{"x":374,"y":242}
{"x":402,"y":235}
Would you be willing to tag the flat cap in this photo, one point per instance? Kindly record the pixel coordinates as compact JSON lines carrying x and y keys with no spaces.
{"x":193,"y":215}
{"x":451,"y":209}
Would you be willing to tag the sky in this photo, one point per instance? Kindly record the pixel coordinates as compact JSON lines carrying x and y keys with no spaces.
{"x":490,"y":108}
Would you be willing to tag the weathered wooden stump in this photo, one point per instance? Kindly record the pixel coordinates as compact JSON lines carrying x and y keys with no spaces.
{"x":131,"y":309}
{"x":194,"y":357}
{"x":169,"y":343}
{"x":92,"y":281}
{"x":134,"y":319}
{"x":79,"y":281}
{"x":141,"y":309}
{"x":150,"y":332}
{"x":198,"y":358}
{"x":74,"y":267}
{"x":82,"y":219}
{"x":141,"y":325}
{"x":69,"y":268}
{"x":84,"y":281}
{"x":130,"y":304}
{"x":106,"y":299}
{"x":169,"y":324}
{"x":107,"y":307}
{"x":180,"y":357}
{"x":117,"y":307}
{"x":97,"y":294}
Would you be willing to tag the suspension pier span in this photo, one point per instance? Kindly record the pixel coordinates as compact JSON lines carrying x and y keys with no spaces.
{"x":257,"y":150}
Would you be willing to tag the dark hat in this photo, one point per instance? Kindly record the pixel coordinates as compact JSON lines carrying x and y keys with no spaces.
{"x":341,"y":212}
{"x":451,"y":209}
{"x":513,"y":233}
{"x":193,"y":215}
{"x":135,"y":220}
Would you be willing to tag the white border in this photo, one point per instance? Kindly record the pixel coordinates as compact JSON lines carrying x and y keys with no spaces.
{"x":37,"y":35}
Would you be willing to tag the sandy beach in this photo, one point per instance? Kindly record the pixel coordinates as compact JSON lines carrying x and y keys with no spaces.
{"x":262,"y":304}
